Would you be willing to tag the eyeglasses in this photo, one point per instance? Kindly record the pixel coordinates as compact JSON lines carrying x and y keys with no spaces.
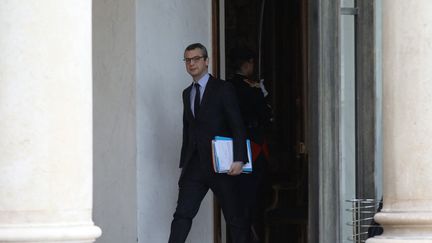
{"x":193,"y":59}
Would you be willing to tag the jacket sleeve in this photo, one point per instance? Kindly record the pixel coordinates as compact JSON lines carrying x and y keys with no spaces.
{"x":235,"y":121}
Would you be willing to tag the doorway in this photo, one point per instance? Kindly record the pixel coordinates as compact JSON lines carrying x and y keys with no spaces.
{"x":276,"y":31}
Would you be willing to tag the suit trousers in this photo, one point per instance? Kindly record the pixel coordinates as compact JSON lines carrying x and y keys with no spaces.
{"x":196,"y":179}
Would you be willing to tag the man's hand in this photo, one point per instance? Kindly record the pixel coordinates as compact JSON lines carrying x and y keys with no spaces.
{"x":236,"y":168}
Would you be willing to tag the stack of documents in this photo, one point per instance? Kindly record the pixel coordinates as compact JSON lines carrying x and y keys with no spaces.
{"x":222,"y":149}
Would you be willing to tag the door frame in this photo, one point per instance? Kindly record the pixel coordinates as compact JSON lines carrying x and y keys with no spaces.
{"x":215,"y":23}
{"x":322,"y":123}
{"x":323,"y":137}
{"x":324,"y":116}
{"x":366,"y":105}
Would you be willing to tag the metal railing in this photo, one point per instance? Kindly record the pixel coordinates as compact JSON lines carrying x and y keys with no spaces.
{"x":363,"y":211}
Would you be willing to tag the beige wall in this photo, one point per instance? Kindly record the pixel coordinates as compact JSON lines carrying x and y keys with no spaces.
{"x":138,"y":79}
{"x":114,"y":114}
{"x":164,"y":29}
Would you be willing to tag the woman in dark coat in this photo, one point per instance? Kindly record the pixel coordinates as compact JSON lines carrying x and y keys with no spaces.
{"x":256,"y":116}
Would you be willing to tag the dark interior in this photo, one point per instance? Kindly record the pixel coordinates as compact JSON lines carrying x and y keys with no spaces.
{"x":283,"y":66}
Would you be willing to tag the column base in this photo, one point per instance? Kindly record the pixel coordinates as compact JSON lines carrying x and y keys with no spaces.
{"x":379,"y":239}
{"x":49,"y":234}
{"x":404,"y":227}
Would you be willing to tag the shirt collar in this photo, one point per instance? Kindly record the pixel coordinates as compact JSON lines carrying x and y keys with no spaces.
{"x":203,"y":81}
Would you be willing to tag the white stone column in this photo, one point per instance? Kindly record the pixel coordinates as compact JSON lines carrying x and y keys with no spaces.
{"x":407,"y":122}
{"x":46,"y":121}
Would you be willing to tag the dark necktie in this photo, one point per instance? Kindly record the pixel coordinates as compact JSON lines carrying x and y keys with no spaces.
{"x":197,"y":99}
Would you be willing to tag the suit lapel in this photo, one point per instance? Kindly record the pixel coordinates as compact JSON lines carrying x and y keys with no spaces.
{"x":187,"y":103}
{"x":208,"y":91}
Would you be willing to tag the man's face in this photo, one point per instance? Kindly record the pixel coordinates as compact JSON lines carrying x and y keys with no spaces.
{"x":196,"y":63}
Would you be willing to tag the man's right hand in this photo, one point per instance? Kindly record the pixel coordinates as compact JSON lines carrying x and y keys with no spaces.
{"x":236,"y":168}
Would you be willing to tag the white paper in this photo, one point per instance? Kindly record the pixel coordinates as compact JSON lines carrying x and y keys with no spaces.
{"x":223,"y":155}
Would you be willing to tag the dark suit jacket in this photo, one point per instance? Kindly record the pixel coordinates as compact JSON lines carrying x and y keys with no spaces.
{"x":219,"y":115}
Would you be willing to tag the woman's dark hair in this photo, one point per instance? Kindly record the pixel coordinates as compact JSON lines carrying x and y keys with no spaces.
{"x":240,"y":55}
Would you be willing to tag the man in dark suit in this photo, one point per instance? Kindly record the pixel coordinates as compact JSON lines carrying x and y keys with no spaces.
{"x":209,"y":109}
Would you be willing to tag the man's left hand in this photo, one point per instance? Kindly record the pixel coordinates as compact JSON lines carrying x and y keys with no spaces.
{"x":236,"y":168}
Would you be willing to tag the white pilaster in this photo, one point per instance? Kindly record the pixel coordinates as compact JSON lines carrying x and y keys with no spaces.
{"x":46,"y":121}
{"x":407,"y":122}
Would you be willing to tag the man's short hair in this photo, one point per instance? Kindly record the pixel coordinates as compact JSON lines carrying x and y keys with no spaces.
{"x":197,"y":46}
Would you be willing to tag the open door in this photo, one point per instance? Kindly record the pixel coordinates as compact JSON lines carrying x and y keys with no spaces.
{"x":277,"y":31}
